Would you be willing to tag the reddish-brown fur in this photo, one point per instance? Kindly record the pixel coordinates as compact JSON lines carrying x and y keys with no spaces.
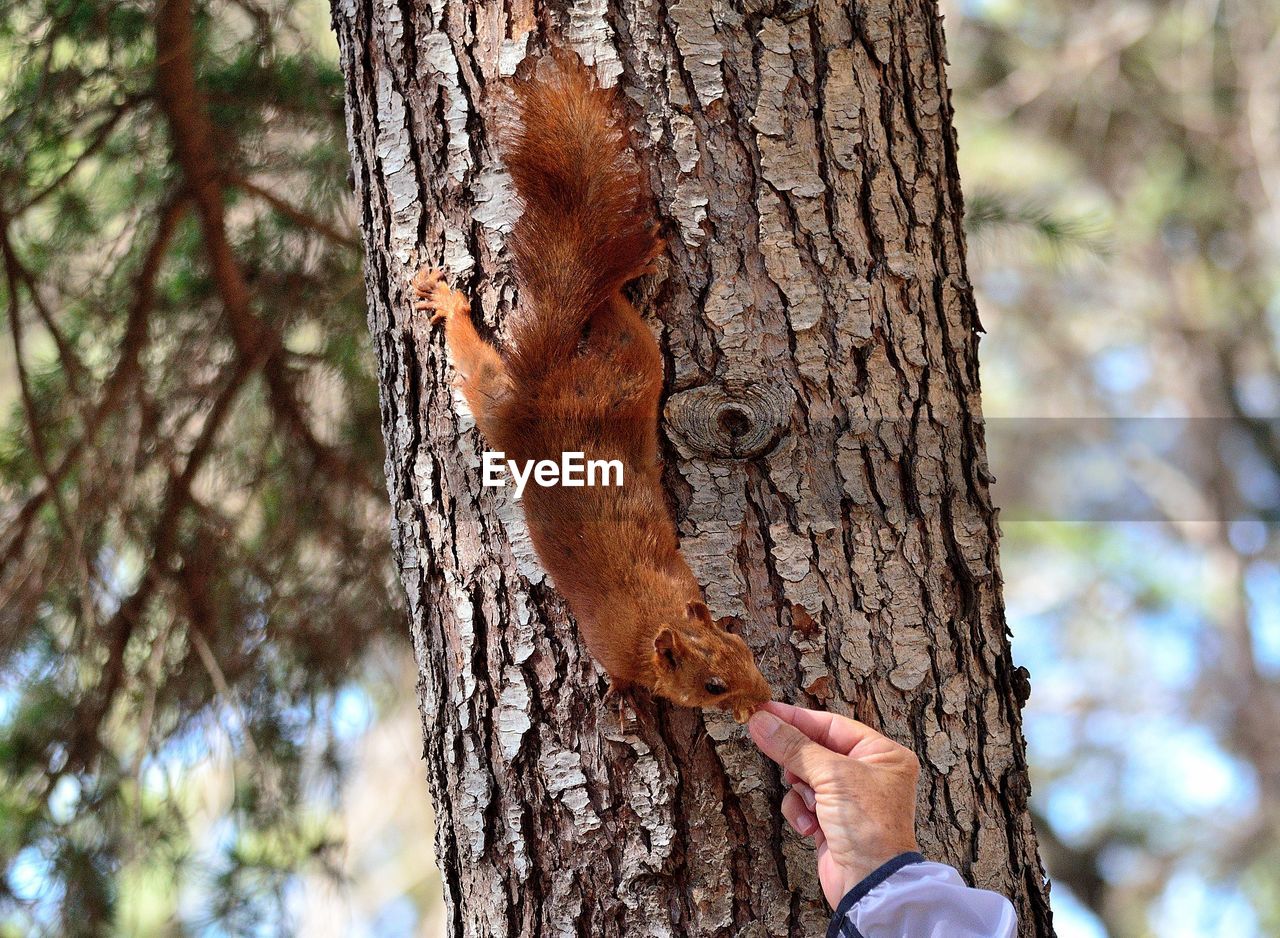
{"x":583,"y":373}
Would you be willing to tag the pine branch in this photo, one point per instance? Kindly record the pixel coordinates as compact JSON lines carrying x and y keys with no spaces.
{"x":989,"y":212}
{"x":183,"y":105}
{"x":296,"y":215}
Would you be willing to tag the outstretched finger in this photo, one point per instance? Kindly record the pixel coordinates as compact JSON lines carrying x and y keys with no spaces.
{"x":835,"y":732}
{"x":791,"y":749}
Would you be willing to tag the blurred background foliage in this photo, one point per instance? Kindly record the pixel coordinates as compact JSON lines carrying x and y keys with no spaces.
{"x":1128,"y":269}
{"x":207,"y":716}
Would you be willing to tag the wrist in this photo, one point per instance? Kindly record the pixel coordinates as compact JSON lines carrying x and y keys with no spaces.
{"x":858,"y":868}
{"x":859,"y":890}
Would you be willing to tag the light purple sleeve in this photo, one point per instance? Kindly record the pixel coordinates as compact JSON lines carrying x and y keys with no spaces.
{"x":909,"y":897}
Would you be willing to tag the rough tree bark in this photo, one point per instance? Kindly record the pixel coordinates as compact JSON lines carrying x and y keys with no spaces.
{"x":824,"y":445}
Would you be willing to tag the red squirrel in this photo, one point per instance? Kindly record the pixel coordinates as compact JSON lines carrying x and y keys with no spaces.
{"x":583,"y":373}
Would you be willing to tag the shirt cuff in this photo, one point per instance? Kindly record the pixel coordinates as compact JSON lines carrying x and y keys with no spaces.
{"x":876,"y":877}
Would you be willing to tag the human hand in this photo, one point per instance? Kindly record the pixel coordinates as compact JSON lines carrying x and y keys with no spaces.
{"x":852,"y":789}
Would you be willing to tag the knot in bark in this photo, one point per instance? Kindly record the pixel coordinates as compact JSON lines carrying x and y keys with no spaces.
{"x":734,"y":420}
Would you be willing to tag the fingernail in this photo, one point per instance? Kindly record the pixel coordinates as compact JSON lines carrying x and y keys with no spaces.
{"x":806,"y":823}
{"x":765,"y":722}
{"x":806,"y":795}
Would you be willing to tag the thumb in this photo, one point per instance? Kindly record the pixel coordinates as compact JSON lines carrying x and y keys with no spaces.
{"x":788,"y":747}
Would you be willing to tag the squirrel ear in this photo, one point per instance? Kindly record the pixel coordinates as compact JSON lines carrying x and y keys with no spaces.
{"x":698,"y":611}
{"x":667,"y":648}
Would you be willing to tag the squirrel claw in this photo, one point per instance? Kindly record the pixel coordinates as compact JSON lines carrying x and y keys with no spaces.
{"x":620,"y":696}
{"x":426,"y":279}
{"x":436,"y":296}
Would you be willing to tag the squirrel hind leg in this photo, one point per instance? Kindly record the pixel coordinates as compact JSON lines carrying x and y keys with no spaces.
{"x":481,"y":371}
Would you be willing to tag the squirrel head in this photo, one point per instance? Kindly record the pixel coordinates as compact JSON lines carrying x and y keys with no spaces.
{"x":700,"y":663}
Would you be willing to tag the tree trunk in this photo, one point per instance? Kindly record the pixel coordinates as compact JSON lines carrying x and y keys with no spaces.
{"x":824,"y":451}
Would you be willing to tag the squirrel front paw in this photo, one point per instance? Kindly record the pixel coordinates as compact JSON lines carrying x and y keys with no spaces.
{"x":438,"y":297}
{"x":621,"y":697}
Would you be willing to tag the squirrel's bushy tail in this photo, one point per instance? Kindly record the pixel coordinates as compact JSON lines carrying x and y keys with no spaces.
{"x":586,"y":228}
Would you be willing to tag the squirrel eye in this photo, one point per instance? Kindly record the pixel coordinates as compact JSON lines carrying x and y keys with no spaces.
{"x":715,"y":686}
